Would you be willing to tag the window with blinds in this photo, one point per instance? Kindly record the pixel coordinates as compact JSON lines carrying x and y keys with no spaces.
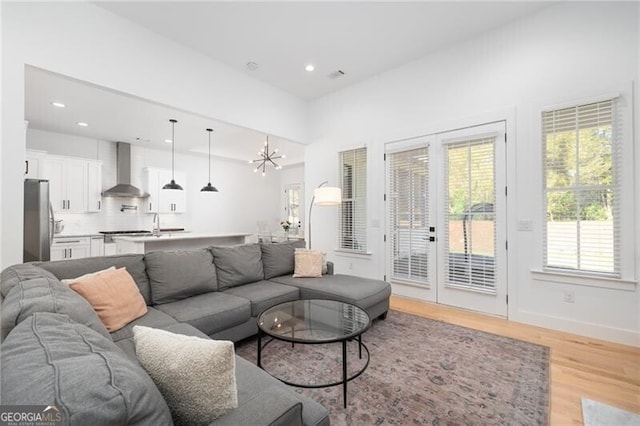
{"x":581,"y":189}
{"x":470,"y":219}
{"x":408,"y":214}
{"x":353,"y":215}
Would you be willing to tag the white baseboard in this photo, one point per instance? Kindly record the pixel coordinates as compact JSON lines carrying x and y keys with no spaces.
{"x":596,"y":331}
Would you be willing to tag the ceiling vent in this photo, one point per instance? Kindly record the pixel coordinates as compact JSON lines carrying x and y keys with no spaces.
{"x":336,"y":74}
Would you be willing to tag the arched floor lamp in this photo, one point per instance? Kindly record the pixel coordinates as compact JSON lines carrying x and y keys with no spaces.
{"x":324,"y":196}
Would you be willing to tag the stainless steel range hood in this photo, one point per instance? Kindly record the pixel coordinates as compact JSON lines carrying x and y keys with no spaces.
{"x":123,"y":170}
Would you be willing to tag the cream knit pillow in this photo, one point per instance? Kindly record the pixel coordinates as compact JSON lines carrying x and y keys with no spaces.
{"x":196,"y":376}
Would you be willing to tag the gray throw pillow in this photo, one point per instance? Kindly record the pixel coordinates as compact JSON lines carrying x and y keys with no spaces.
{"x":47,"y":295}
{"x":237,"y":265}
{"x":176,"y":275}
{"x":50,"y":359}
{"x":277,"y":259}
{"x":196,"y":376}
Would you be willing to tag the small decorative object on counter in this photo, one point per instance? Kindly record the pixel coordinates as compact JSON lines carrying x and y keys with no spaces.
{"x":286,"y":225}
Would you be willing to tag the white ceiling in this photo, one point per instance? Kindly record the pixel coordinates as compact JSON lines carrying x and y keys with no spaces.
{"x":115,"y":116}
{"x":360,"y":38}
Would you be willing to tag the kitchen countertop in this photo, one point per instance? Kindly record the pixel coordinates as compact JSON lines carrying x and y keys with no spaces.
{"x":95,"y":234}
{"x":168,"y":236}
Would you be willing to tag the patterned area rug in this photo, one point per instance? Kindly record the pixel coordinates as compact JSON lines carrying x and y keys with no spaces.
{"x":421,"y":372}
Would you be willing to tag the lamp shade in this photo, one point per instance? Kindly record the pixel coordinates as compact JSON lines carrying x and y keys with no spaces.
{"x":327,"y":196}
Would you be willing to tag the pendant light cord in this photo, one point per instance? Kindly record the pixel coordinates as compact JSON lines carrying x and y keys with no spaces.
{"x":209,"y":130}
{"x":173,"y":147}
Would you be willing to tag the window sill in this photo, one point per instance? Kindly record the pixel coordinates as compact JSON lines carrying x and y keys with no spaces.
{"x":585,"y":280}
{"x":356,"y":254}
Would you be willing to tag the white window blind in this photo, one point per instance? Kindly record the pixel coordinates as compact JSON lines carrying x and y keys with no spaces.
{"x":353,"y":215}
{"x":581,"y":189}
{"x":408,"y":214}
{"x":469,"y":212}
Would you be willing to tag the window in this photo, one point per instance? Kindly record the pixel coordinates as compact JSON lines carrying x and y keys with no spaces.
{"x":353,"y":215}
{"x":581,"y":189}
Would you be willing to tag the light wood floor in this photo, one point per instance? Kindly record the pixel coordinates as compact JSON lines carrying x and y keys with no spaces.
{"x":580,"y":366}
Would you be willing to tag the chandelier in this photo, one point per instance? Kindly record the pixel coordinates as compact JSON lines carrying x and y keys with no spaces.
{"x":267,"y":157}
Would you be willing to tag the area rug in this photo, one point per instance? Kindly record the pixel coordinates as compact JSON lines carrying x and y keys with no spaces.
{"x":421,"y":371}
{"x":596,"y":413}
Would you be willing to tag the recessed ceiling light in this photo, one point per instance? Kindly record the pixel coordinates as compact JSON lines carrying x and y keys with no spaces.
{"x":309,"y":67}
{"x":82,"y":124}
{"x":58,"y":104}
{"x":168,"y":141}
{"x":252,"y":66}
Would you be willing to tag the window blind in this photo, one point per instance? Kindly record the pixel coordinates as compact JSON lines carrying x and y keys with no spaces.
{"x":353,"y":215}
{"x":581,"y":189}
{"x":470,"y":231}
{"x":408,"y":215}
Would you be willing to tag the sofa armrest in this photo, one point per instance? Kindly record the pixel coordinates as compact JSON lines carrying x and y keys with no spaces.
{"x":273,"y":406}
{"x":329,"y":267}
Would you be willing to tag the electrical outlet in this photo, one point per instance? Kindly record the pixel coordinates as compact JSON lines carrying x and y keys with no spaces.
{"x":569,"y":297}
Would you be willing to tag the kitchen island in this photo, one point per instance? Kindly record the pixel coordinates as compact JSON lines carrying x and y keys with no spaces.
{"x":175,"y":241}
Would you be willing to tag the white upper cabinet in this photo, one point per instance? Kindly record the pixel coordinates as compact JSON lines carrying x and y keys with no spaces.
{"x":94,"y":186}
{"x":165,"y":200}
{"x":74,"y":184}
{"x":32,"y":164}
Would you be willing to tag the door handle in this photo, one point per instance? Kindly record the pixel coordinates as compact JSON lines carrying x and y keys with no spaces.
{"x":70,"y":253}
{"x":150,"y":207}
{"x":99,"y":204}
{"x":68,"y":204}
{"x":26,"y":169}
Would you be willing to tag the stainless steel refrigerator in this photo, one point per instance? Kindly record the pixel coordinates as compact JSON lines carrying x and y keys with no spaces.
{"x":38,"y":221}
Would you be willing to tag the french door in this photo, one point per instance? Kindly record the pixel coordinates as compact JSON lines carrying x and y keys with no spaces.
{"x":446,"y":217}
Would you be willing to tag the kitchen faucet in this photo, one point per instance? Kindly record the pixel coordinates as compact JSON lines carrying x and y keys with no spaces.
{"x":156,"y":224}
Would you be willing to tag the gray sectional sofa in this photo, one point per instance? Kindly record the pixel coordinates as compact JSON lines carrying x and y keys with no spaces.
{"x":55,"y":350}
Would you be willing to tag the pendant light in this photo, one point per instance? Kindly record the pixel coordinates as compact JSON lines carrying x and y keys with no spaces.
{"x":209,"y":187}
{"x":173,"y":184}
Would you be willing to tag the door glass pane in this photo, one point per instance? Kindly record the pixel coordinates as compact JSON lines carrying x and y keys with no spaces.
{"x":470,"y":214}
{"x":408,"y":197}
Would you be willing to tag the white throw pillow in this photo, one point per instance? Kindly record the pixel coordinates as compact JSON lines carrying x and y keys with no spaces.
{"x":308,"y":263}
{"x":69,"y":281}
{"x":196,"y":376}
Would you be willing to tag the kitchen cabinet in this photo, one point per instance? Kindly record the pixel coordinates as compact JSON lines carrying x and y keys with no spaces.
{"x":70,"y":248}
{"x":97,"y":246}
{"x":67,"y":183}
{"x":94,"y":186}
{"x":163,"y":200}
{"x":32,"y":164}
{"x":75,"y":184}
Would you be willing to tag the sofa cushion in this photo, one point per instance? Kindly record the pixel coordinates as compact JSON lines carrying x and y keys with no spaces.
{"x":50,"y":359}
{"x":277,"y":258}
{"x":253,"y":381}
{"x":272,"y":406}
{"x":209,"y":312}
{"x":176,"y":275}
{"x":153,"y":318}
{"x":264,"y":294}
{"x":362,"y":292}
{"x":128,"y":346}
{"x":90,"y":275}
{"x":12,"y":275}
{"x":64,"y":269}
{"x":114,"y":296}
{"x":207,"y":390}
{"x":46,"y":295}
{"x":236,"y":265}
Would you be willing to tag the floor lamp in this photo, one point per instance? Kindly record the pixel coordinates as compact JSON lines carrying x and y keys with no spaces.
{"x":324,"y":196}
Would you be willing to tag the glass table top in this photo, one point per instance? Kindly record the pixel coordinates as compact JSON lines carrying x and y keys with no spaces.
{"x":314,"y":321}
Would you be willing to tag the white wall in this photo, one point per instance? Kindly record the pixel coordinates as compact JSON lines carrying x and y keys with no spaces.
{"x":86,"y":42}
{"x":242,"y":200}
{"x":566,"y":51}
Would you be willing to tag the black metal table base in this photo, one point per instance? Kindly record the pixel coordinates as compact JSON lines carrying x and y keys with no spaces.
{"x":342,"y":382}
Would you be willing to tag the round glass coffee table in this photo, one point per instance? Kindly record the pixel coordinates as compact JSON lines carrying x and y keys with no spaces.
{"x":316,"y":321}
